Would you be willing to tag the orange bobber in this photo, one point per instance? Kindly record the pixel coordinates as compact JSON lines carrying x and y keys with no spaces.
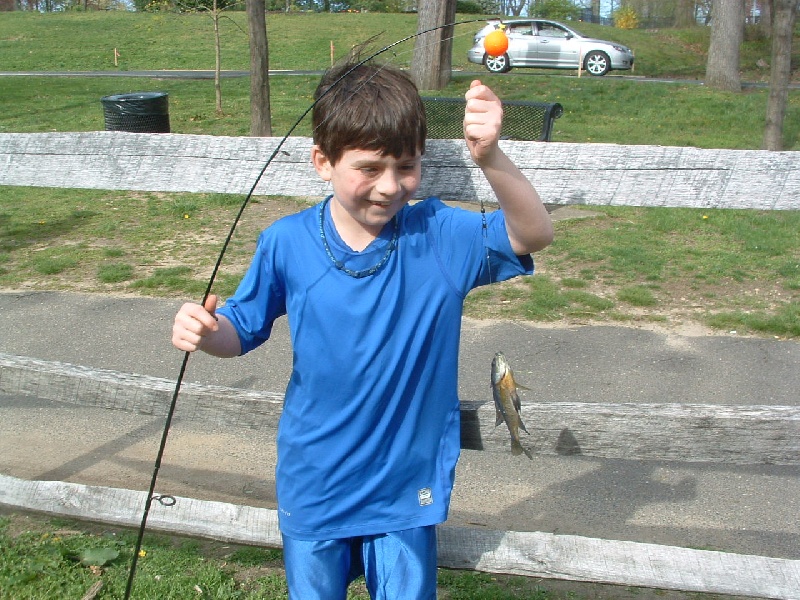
{"x":496,"y":43}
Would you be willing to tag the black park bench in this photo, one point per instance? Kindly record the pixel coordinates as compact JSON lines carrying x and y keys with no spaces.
{"x":523,"y":121}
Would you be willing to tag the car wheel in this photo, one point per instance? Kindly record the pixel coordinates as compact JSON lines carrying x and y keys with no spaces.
{"x":597,"y":63}
{"x":497,"y":64}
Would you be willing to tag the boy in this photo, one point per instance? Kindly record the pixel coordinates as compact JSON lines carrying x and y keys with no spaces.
{"x":373,"y":288}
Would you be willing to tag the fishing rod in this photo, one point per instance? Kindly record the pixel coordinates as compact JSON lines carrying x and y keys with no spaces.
{"x":167,"y":500}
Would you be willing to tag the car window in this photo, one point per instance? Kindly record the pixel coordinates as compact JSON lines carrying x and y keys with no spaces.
{"x":522,"y":29}
{"x":548,"y":30}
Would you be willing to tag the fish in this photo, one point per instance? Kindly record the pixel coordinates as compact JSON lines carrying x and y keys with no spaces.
{"x":506,"y":402}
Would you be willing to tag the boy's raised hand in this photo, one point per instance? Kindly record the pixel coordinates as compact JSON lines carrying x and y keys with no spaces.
{"x":483,"y":120}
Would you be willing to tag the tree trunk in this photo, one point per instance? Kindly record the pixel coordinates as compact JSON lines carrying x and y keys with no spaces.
{"x":515,"y":7}
{"x":260,"y":118}
{"x":217,"y":59}
{"x":685,"y":14}
{"x":765,"y":22}
{"x":433,"y":51}
{"x":727,"y":35}
{"x":784,"y":15}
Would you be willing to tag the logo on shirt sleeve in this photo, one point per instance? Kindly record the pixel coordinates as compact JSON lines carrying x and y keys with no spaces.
{"x":425,"y":496}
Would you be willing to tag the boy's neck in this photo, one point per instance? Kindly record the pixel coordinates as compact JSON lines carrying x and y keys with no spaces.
{"x":356,"y":235}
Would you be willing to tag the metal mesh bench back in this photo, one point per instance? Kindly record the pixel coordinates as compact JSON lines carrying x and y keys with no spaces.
{"x":531,"y":121}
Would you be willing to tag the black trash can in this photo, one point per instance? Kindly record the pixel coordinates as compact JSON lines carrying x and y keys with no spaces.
{"x":139,"y":112}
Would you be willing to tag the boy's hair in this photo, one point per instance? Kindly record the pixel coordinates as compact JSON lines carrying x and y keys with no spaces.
{"x":373,"y":107}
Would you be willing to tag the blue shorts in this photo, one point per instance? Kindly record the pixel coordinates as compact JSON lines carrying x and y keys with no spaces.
{"x":398,"y":565}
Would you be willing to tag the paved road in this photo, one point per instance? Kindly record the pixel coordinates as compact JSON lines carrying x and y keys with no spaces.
{"x":744,"y":509}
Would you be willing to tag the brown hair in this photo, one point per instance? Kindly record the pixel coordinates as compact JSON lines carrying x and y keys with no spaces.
{"x":368,"y":107}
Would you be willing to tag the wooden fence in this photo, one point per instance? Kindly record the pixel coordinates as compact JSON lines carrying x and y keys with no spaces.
{"x":608,"y":430}
{"x":591,"y":174}
{"x":598,"y":174}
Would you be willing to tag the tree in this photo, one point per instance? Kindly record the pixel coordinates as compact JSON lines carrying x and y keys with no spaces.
{"x":215,"y":12}
{"x":214,"y":8}
{"x":727,"y":35}
{"x":560,"y":10}
{"x":784,"y":16}
{"x":512,"y":7}
{"x":685,"y":15}
{"x":260,"y":115}
{"x":765,"y":17}
{"x":433,"y":51}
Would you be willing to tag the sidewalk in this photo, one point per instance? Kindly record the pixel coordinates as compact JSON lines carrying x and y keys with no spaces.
{"x":744,"y":509}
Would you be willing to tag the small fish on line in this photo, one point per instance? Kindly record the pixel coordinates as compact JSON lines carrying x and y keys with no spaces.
{"x":506,"y":402}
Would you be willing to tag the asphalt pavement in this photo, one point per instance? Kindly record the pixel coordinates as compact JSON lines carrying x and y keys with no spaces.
{"x":748,"y":509}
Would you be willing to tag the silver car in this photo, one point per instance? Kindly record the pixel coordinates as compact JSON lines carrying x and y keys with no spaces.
{"x":549,"y":45}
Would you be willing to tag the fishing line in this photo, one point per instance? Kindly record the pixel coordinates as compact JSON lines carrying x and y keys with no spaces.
{"x":167,"y":500}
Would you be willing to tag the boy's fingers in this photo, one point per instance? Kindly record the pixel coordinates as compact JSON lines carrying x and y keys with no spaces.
{"x":211,"y":305}
{"x":192,"y":323}
{"x":197,"y":319}
{"x":480,"y":91}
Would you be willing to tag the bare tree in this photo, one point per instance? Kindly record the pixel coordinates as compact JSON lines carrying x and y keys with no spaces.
{"x":433,"y":51}
{"x":260,"y":116}
{"x":514,"y":7}
{"x":215,"y":12}
{"x":727,"y":35}
{"x":785,"y":14}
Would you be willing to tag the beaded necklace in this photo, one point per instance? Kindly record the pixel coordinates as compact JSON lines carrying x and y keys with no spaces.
{"x":339,"y":264}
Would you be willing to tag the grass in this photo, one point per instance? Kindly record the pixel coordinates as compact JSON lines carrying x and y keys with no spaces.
{"x":46,"y":557}
{"x":85,"y":41}
{"x":731,"y":270}
{"x":610,"y":110}
{"x":728,"y":269}
{"x":607,"y":109}
{"x":61,"y":559}
{"x":57,"y":558}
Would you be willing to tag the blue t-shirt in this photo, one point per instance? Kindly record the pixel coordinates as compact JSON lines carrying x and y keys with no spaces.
{"x":370,"y":433}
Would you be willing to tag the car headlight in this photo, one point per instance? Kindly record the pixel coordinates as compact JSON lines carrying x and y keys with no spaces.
{"x":621,"y":49}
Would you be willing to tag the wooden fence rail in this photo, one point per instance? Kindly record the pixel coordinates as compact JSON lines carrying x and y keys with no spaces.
{"x":591,"y":174}
{"x":669,"y":431}
{"x":533,"y":554}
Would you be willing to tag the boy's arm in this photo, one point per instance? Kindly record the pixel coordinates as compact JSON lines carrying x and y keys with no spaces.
{"x":527,"y":221}
{"x":196,"y":327}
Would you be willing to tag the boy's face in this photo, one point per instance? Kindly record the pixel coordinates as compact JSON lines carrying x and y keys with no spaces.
{"x":369,"y":187}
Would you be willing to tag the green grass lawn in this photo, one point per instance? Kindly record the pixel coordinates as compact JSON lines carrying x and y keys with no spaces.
{"x":608,"y":109}
{"x":596,"y":110}
{"x":53,"y":558}
{"x":77,"y":41}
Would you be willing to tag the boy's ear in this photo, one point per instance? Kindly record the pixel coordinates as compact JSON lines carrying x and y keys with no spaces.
{"x":321,"y":163}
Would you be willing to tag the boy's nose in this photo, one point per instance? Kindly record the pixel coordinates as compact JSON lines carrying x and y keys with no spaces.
{"x":388,"y":183}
